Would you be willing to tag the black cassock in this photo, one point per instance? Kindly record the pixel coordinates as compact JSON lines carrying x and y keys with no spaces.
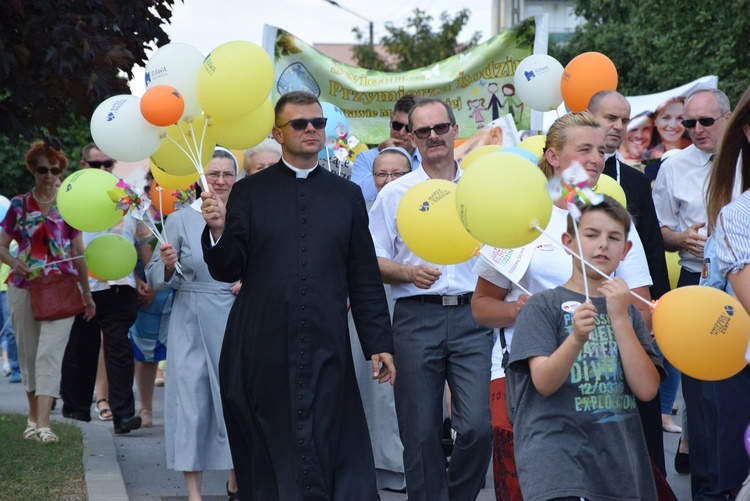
{"x":296,"y":425}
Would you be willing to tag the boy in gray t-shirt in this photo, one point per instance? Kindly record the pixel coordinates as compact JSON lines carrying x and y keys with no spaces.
{"x":574,"y":370}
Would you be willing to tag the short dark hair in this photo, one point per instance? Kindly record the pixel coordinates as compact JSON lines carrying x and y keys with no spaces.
{"x":298,"y":97}
{"x":405,"y":104}
{"x":609,"y":206}
{"x":428,"y":101}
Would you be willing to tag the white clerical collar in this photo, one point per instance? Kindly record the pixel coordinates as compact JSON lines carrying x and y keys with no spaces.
{"x":607,"y":156}
{"x":301,"y":173}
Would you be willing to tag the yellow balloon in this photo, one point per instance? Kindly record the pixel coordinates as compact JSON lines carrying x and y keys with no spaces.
{"x":500,"y":197}
{"x":84,"y":202}
{"x":235,"y":79}
{"x":428,"y":222}
{"x":187,"y":136}
{"x":702,"y":331}
{"x":244,"y":131}
{"x":673,"y":268}
{"x":608,"y":186}
{"x":479,"y":152}
{"x":534,"y":144}
{"x":171,"y":182}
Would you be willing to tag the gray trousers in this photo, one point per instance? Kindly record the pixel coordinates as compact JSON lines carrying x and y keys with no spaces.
{"x":435,"y":344}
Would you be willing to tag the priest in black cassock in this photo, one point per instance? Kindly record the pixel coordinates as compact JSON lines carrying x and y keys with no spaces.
{"x":297,"y":236}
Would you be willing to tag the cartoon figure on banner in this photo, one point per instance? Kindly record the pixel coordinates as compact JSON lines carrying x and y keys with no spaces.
{"x":476,"y":112}
{"x":515,"y":107}
{"x":494,"y":103}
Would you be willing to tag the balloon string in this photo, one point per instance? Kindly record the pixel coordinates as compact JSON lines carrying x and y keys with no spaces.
{"x":189,"y":152}
{"x":536,"y":226}
{"x":199,"y":148}
{"x":583,"y":266}
{"x":42,"y":266}
{"x":159,"y":237}
{"x":161,"y":204}
{"x":489,"y":261}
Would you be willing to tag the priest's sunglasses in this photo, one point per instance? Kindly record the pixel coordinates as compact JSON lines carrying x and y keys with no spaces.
{"x":440,"y":129}
{"x":689,"y":123}
{"x":301,"y":123}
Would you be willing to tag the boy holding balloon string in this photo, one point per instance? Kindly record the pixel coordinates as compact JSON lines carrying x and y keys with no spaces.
{"x":576,"y":366}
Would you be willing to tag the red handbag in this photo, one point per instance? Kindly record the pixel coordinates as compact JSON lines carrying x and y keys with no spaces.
{"x":56,"y":296}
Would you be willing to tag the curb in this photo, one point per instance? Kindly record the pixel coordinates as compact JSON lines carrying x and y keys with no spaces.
{"x":104,"y":480}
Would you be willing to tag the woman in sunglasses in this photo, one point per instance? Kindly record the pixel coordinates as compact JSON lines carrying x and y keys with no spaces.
{"x":45,"y":245}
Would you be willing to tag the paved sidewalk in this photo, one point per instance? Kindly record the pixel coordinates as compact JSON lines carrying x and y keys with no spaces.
{"x":133,"y":466}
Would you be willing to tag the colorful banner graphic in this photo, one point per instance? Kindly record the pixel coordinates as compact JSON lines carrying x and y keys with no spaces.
{"x":477,"y":83}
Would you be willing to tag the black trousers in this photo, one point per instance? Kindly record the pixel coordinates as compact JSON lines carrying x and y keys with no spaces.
{"x":702,"y":425}
{"x":116,"y":311}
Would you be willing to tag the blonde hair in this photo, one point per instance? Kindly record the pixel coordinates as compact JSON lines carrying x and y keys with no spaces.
{"x":557,"y":136}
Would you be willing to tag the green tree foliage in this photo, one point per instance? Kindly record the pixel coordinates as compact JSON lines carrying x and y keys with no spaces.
{"x":415,"y":45}
{"x":660,"y":44}
{"x":60,"y":58}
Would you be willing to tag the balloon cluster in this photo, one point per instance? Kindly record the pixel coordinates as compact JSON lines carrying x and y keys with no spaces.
{"x":192,"y":102}
{"x":543,"y":84}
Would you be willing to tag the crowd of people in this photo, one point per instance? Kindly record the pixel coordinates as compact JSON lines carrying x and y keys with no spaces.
{"x":281,"y":301}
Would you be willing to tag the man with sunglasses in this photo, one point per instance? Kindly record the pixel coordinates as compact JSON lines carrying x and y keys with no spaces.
{"x":679,"y":198}
{"x":296,"y":235}
{"x":116,"y":309}
{"x":434,"y":333}
{"x":362,"y":170}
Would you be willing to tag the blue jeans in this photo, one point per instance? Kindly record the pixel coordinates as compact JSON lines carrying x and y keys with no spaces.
{"x":7,"y":335}
{"x":434,"y":344}
{"x":668,"y":388}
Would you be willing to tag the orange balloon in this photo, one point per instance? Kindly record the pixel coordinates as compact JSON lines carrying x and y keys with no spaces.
{"x":702,"y":331}
{"x":584,"y":76}
{"x":162,"y":105}
{"x":163,"y":199}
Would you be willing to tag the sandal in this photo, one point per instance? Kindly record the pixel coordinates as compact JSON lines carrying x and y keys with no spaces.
{"x":232,"y":496}
{"x":105,"y":414}
{"x":30,"y":431}
{"x":45,"y":436}
{"x":146,"y":418}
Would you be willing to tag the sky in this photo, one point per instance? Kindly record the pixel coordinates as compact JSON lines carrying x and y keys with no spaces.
{"x":206,"y":24}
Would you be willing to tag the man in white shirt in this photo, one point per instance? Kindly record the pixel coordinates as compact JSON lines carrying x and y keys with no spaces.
{"x":679,"y":198}
{"x":435,"y":336}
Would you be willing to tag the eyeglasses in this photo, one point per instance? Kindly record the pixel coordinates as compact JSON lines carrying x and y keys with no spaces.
{"x":397,"y":126}
{"x":440,"y":129}
{"x":56,"y":171}
{"x":301,"y":123}
{"x":97,"y":164}
{"x":386,"y":175}
{"x":214,"y":176}
{"x":689,"y":123}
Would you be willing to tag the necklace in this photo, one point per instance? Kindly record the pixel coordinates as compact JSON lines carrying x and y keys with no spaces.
{"x":33,"y":191}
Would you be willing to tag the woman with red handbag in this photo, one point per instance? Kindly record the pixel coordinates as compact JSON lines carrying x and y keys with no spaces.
{"x":45,"y":284}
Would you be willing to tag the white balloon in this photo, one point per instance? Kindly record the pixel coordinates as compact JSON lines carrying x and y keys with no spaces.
{"x":120,"y":131}
{"x":177,"y":65}
{"x":4,"y":206}
{"x":537,"y":82}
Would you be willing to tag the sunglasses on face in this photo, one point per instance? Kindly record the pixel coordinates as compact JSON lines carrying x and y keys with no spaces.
{"x":301,"y":123}
{"x":397,"y":126}
{"x":440,"y":129}
{"x":689,"y":123}
{"x":56,"y":171}
{"x":96,"y":164}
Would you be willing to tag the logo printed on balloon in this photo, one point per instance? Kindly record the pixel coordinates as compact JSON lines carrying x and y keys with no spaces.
{"x":110,"y":116}
{"x":425,"y":207}
{"x":730,"y":310}
{"x":529,"y":75}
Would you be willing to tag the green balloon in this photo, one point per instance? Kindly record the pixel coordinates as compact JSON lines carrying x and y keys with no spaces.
{"x":110,"y":257}
{"x":84,"y":203}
